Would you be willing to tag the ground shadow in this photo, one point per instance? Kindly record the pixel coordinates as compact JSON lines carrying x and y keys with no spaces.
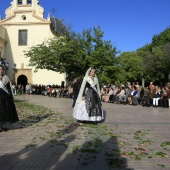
{"x":38,"y":156}
{"x":93,"y":154}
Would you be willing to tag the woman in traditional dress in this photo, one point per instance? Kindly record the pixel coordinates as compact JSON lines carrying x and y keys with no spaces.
{"x":8,"y":112}
{"x":88,"y":104}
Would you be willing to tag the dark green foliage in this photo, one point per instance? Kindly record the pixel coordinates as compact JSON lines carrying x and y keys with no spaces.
{"x":128,"y":67}
{"x":156,"y":58}
{"x":74,"y":54}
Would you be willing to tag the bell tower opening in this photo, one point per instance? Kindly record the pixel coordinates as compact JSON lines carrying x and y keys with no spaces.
{"x":19,"y":2}
{"x":24,"y":2}
{"x":29,"y":2}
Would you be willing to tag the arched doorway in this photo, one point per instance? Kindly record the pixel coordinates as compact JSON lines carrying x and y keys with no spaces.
{"x":23,"y":81}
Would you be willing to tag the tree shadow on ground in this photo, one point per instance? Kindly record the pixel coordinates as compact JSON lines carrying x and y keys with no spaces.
{"x":70,"y":152}
{"x":95,"y":155}
{"x":37,"y":156}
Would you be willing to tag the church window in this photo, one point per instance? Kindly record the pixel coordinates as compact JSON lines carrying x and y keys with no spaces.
{"x":29,"y":1}
{"x":19,"y":2}
{"x":22,"y":38}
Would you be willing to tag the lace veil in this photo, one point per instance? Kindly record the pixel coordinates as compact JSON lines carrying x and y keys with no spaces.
{"x":79,"y":98}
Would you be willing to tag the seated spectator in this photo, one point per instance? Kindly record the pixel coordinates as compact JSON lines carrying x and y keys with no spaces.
{"x":120,"y":95}
{"x":105,"y":97}
{"x":64,"y":92}
{"x":112,"y":98}
{"x":136,"y":96}
{"x":103,"y":92}
{"x":133,"y":93}
{"x":44,"y":90}
{"x":164,"y":99}
{"x":125,"y":97}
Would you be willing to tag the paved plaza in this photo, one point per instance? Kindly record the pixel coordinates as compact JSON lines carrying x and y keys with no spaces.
{"x":130,"y":137}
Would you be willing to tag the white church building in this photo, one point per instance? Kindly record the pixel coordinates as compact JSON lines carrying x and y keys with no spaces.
{"x":23,"y":27}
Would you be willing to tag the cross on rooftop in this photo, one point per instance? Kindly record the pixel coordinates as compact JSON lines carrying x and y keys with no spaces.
{"x":53,"y":11}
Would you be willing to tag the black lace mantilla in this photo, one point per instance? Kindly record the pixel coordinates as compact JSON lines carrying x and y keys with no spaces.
{"x":93,"y":103}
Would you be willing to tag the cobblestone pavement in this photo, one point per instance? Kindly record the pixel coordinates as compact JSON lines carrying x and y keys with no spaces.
{"x":130,"y":137}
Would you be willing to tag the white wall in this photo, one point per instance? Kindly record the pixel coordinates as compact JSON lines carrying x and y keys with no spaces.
{"x":38,"y":31}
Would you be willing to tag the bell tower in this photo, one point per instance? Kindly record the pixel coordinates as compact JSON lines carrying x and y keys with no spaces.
{"x":18,"y":6}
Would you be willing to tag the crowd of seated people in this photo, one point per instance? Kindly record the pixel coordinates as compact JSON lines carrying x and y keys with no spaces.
{"x":57,"y":92}
{"x":131,"y":94}
{"x":50,"y":90}
{"x":153,"y":95}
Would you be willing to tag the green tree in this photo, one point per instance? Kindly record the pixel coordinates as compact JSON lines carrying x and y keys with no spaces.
{"x":156,"y":58}
{"x":101,"y":55}
{"x":162,"y":38}
{"x":129,"y":67}
{"x":74,"y":54}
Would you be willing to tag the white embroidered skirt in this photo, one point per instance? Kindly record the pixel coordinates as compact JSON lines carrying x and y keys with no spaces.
{"x":80,"y":113}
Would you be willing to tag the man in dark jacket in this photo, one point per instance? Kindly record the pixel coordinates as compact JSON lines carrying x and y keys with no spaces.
{"x":75,"y":87}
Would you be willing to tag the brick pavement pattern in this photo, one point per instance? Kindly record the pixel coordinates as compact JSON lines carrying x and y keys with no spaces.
{"x":129,"y":135}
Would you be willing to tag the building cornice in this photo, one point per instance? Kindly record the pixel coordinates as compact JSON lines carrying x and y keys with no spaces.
{"x":6,"y":21}
{"x":28,"y":23}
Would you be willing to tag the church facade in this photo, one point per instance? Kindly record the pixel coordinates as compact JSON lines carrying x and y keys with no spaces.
{"x":24,"y":27}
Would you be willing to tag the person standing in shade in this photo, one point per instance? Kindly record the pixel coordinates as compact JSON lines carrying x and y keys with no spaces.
{"x":75,"y":90}
{"x":28,"y":89}
{"x":88,"y":105}
{"x":8,"y":112}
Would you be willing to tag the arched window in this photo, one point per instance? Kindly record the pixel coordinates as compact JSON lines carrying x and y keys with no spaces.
{"x":19,"y":2}
{"x":29,"y":1}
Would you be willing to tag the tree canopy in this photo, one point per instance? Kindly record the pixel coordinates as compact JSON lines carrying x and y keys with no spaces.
{"x":74,"y":53}
{"x":156,"y":57}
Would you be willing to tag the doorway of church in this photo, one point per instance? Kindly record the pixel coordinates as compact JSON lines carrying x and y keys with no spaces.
{"x":22,"y":81}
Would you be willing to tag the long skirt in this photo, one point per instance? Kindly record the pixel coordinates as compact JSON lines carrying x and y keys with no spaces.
{"x":89,"y":109}
{"x":8,"y":112}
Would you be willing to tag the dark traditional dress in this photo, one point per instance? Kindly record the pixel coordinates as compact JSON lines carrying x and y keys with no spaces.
{"x":89,"y":109}
{"x":8,"y":112}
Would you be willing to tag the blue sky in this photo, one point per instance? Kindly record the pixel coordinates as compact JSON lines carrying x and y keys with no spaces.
{"x":128,"y":24}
